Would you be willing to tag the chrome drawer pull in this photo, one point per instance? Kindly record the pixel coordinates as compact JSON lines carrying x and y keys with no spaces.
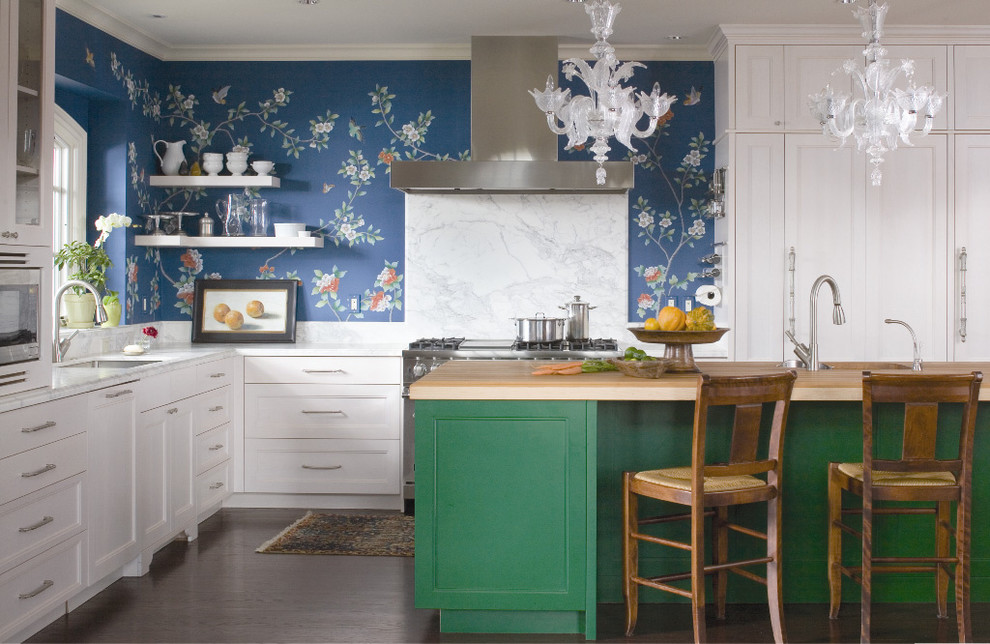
{"x":217,"y":408}
{"x":118,"y":394}
{"x":217,"y":375}
{"x":173,"y":410}
{"x":324,"y":371}
{"x":37,"y":525}
{"x":319,"y":411}
{"x":324,"y":467}
{"x":216,"y":486}
{"x":38,"y":428}
{"x":216,"y":447}
{"x":46,"y":468}
{"x":45,"y":585}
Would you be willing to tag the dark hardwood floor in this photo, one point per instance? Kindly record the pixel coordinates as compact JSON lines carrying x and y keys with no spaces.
{"x":217,"y":589}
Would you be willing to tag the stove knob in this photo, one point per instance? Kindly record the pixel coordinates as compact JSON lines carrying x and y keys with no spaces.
{"x":419,"y":369}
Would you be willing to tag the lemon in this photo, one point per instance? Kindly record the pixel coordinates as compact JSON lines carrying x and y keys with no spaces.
{"x":651,"y":324}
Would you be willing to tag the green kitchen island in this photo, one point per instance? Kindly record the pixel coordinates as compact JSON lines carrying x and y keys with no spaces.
{"x":518,"y":499}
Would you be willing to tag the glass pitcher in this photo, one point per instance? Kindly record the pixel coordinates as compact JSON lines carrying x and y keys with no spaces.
{"x":231,"y":209}
{"x":258,"y":217}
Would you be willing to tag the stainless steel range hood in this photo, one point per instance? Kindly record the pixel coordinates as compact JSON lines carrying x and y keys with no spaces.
{"x":512,"y":149}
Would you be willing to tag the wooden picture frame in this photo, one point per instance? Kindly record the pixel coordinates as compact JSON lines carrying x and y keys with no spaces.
{"x":244,"y":311}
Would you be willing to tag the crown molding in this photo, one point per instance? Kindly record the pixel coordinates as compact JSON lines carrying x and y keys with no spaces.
{"x":366,"y":51}
{"x":672,"y":51}
{"x":849,"y":35}
{"x":115,"y":27}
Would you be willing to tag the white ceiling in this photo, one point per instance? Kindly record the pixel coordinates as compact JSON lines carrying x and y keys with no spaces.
{"x":383,"y":29}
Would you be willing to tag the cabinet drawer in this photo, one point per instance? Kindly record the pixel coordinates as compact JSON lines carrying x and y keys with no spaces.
{"x":212,"y":486}
{"x":30,"y":525}
{"x":323,"y":370}
{"x":322,"y":466}
{"x":214,"y":375}
{"x":32,"y":470}
{"x":37,"y":425}
{"x":314,"y":411}
{"x":32,"y":589}
{"x":212,"y":448}
{"x":212,"y":409}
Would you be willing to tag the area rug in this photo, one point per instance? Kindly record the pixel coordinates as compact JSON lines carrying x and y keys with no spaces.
{"x":389,"y":535}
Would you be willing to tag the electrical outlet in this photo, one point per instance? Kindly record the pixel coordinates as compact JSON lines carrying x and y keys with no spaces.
{"x":354,"y":303}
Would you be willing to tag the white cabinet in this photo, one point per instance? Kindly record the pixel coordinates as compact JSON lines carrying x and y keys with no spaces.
{"x":885,"y":247}
{"x":759,"y":88}
{"x":184,"y":437}
{"x":324,"y":425}
{"x":166,"y":496}
{"x":112,"y":438}
{"x":973,"y":234}
{"x":27,"y":86}
{"x":43,"y":518}
{"x":972,"y":89}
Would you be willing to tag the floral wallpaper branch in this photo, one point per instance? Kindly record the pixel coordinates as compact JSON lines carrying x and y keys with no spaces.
{"x":670,"y":232}
{"x":412,"y":135}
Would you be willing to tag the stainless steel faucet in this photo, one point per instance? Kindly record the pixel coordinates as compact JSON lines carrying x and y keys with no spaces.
{"x":61,"y":346}
{"x":916,"y":364}
{"x":809,"y":353}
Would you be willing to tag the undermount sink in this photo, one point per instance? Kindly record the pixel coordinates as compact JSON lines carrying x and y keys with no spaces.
{"x":869,"y":366}
{"x":110,"y":364}
{"x":850,"y":366}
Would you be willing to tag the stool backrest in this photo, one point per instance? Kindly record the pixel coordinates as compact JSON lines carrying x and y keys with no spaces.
{"x":921,"y":395}
{"x":747,"y":394}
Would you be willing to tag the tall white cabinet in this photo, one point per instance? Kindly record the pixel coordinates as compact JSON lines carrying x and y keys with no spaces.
{"x":889,"y":248}
{"x":27,"y":86}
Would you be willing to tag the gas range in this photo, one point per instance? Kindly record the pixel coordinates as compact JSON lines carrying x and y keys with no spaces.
{"x":427,"y":354}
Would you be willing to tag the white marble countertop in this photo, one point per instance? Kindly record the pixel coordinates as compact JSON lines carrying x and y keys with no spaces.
{"x":68,"y":380}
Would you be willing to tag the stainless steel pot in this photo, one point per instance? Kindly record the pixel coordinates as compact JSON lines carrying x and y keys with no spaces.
{"x":577,"y":319}
{"x":539,"y":329}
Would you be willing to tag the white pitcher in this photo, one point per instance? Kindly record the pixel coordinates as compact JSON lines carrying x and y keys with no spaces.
{"x":173,"y":158}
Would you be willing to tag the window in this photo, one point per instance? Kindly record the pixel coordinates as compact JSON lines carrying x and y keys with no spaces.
{"x":69,"y":182}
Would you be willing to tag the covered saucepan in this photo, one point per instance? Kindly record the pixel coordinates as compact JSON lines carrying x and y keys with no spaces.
{"x":539,"y":328}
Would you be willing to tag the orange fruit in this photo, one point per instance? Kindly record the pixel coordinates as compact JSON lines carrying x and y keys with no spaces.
{"x":672,"y":318}
{"x":651,"y":324}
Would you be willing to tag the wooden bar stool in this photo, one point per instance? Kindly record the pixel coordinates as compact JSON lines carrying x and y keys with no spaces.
{"x":721,"y":485}
{"x":918,"y":475}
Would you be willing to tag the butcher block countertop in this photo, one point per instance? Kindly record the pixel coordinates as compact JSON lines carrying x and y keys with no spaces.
{"x":513,"y":380}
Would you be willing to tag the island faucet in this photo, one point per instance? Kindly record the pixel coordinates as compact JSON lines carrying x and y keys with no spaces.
{"x":809,"y":353}
{"x":916,"y":363}
{"x":61,"y":346}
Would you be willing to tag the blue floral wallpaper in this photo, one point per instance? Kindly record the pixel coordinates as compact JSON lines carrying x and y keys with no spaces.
{"x":332,"y":129}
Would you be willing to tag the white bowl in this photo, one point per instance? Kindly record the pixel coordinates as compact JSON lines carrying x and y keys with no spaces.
{"x":288,"y":230}
{"x":304,"y":233}
{"x":262,"y":167}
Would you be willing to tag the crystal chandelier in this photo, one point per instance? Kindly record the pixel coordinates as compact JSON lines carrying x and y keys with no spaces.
{"x":609,"y":109}
{"x":882,"y":114}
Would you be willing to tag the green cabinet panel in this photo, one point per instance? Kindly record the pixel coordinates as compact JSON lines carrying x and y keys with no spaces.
{"x":502,"y":506}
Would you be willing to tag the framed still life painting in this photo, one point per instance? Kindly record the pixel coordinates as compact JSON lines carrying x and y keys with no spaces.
{"x":244,"y":311}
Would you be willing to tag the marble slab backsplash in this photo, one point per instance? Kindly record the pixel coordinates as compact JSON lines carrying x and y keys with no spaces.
{"x":474,"y":262}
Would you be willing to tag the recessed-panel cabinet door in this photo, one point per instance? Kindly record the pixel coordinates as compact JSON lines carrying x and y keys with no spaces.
{"x":969,"y":323}
{"x":906,"y":228}
{"x":824,"y":201}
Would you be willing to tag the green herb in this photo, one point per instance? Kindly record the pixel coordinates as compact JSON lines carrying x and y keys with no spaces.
{"x":597,"y":366}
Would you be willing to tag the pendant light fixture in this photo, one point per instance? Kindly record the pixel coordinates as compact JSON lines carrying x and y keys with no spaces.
{"x":876,"y":114}
{"x":609,"y":109}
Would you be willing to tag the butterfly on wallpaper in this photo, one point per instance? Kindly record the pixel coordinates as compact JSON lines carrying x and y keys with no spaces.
{"x":327,"y":187}
{"x":693,"y":97}
{"x":89,"y":58}
{"x":220,"y":95}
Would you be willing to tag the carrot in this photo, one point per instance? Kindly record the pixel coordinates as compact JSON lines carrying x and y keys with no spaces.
{"x":563,"y":368}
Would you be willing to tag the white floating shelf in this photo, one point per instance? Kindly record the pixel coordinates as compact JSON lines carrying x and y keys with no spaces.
{"x":177,"y":241}
{"x":219,"y":181}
